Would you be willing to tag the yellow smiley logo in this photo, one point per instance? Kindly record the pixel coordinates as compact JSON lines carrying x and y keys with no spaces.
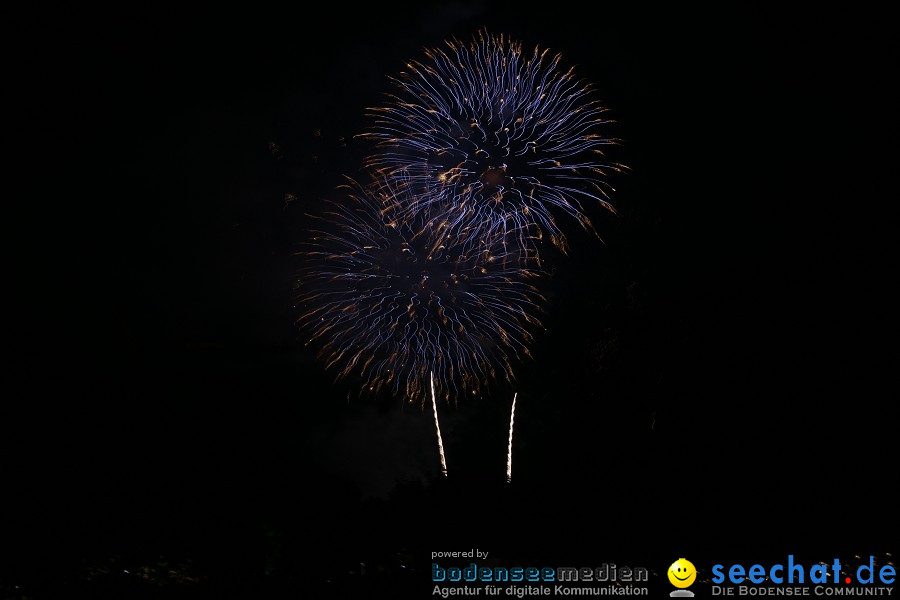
{"x":682,"y":573}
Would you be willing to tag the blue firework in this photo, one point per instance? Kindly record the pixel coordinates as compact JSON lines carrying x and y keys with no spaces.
{"x":390,"y":294}
{"x":495,"y":138}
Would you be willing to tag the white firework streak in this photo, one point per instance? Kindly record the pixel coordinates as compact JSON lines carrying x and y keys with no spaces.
{"x":437,"y":427}
{"x":512,"y":418}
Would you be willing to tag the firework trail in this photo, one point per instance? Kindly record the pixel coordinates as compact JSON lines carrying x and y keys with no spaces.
{"x":495,"y":139}
{"x":391,"y":296}
{"x":512,"y":418}
{"x":437,"y":427}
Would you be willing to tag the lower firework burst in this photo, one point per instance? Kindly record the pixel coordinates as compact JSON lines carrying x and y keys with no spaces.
{"x":391,"y":296}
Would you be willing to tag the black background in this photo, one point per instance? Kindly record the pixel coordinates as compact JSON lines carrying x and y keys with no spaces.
{"x":714,"y":381}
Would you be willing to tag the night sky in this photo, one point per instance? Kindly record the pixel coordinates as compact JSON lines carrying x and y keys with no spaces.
{"x":715,"y":377}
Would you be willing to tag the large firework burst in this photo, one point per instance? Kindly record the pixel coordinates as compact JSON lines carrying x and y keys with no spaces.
{"x":391,"y":295}
{"x":495,"y":139}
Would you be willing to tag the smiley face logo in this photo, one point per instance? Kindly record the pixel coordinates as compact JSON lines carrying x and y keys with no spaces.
{"x":682,"y":573}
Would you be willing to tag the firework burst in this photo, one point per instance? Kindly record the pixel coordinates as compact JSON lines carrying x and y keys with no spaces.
{"x":390,"y":295}
{"x":493,"y":138}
